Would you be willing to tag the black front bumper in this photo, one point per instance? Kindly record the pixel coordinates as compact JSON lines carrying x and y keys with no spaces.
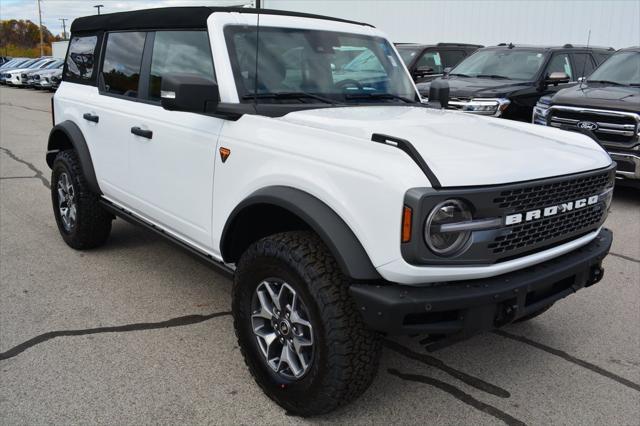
{"x":461,"y":309}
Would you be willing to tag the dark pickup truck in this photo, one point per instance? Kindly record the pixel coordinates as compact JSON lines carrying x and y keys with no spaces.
{"x":507,"y":80}
{"x":606,"y":106}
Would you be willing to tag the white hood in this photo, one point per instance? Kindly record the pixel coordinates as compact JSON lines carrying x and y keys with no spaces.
{"x":463,"y":149}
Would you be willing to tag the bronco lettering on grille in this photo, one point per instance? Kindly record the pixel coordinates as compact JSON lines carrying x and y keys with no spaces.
{"x":513,"y":219}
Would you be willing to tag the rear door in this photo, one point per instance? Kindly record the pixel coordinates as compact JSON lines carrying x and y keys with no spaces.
{"x":171,"y":168}
{"x":113,"y":112}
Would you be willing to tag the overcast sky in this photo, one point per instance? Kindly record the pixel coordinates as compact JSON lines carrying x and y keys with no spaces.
{"x":52,"y":10}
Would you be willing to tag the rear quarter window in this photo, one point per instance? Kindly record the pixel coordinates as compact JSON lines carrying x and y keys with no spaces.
{"x":81,"y":58}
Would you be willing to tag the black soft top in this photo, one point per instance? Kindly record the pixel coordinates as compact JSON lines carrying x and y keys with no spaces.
{"x":172,"y":18}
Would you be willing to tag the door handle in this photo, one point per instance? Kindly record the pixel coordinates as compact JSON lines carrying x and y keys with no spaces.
{"x":90,"y":117}
{"x":141,"y":132}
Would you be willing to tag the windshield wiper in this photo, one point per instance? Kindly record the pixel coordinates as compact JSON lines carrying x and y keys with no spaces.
{"x":378,"y":96}
{"x":615,"y":83}
{"x":289,"y":95}
{"x":502,"y":77}
{"x":461,"y":75}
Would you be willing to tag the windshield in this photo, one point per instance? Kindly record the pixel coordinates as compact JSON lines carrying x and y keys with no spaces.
{"x":621,"y":68}
{"x":408,"y":53}
{"x":511,"y":64}
{"x":311,"y":66}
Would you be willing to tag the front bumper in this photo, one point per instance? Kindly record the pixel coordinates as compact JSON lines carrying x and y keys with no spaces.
{"x":628,"y":164}
{"x":458,"y":310}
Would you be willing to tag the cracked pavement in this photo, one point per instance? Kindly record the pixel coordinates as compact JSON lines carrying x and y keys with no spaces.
{"x":138,"y":331}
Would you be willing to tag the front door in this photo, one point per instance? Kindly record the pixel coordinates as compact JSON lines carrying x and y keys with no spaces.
{"x":171,"y":153}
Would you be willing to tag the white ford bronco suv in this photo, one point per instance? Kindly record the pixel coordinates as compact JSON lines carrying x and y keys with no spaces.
{"x":293,"y":151}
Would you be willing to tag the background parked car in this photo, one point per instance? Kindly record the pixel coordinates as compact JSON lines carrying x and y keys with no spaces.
{"x":607,"y":107}
{"x":507,"y":80}
{"x":13,"y":64}
{"x":13,"y":76}
{"x":428,"y":61}
{"x":49,"y":79}
{"x":29,"y":77}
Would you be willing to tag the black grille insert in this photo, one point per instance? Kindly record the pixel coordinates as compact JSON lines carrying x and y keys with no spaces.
{"x":552,"y":193}
{"x":536,"y":233}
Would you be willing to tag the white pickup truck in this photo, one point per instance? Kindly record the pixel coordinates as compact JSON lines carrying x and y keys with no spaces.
{"x":293,"y":151}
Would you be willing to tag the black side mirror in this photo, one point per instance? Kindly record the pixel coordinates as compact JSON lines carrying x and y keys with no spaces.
{"x":422,"y":71}
{"x":188,"y":92}
{"x":439,"y":93}
{"x":557,"y":77}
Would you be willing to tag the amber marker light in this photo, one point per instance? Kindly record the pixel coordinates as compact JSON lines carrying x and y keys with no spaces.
{"x":224,"y":153}
{"x":407,"y":216}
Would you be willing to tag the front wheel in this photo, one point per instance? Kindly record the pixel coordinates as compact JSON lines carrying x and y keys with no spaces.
{"x":298,"y":328}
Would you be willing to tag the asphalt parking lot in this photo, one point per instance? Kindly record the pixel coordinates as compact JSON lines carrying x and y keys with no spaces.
{"x":139,"y":332}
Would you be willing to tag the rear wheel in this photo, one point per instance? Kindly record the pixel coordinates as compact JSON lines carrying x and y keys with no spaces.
{"x":82,"y":222}
{"x":298,"y":328}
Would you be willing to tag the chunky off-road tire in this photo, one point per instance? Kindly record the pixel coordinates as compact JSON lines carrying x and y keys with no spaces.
{"x":85,"y":224}
{"x":345,"y":353}
{"x":534,"y":314}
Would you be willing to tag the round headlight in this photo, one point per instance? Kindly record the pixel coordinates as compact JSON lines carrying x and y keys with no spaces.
{"x":447,"y":242}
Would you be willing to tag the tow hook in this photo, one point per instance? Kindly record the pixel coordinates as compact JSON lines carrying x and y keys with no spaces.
{"x":595,"y":275}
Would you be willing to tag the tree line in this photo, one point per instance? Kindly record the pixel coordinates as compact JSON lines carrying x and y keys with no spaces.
{"x":22,"y":38}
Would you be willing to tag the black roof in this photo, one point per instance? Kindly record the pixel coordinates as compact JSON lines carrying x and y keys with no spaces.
{"x":445,"y":44}
{"x":538,"y":47}
{"x":172,"y":17}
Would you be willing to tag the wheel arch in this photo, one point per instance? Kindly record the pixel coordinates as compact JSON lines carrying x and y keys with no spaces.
{"x":293,"y":209}
{"x":67,"y":135}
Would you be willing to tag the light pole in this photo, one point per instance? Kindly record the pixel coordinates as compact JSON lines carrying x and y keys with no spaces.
{"x":64,"y":27}
{"x":41,"y":37}
{"x":98,"y":6}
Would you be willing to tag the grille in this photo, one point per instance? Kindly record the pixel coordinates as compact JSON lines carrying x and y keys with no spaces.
{"x":541,"y":231}
{"x":553,"y":193}
{"x":544,"y":232}
{"x":612,"y":126}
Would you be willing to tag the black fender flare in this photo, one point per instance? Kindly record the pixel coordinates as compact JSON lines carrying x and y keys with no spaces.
{"x":322,"y":219}
{"x":68,"y":130}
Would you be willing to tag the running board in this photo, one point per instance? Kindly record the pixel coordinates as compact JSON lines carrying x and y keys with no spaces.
{"x":135,"y":220}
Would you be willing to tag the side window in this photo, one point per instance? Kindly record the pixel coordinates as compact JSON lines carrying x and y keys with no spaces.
{"x":583,"y":63}
{"x":601,"y":57}
{"x":560,"y":63}
{"x":122,"y":59}
{"x":451,"y":58}
{"x":179,"y":52}
{"x":81,"y":58}
{"x":431,"y":59}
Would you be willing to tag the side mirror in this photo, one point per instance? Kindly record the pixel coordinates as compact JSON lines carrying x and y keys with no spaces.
{"x":439,"y":93}
{"x":422,"y":71}
{"x":446,"y":71}
{"x":188,"y":92}
{"x":557,"y":77}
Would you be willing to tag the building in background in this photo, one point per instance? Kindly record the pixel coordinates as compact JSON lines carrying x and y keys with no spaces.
{"x":613,"y":23}
{"x":59,"y":49}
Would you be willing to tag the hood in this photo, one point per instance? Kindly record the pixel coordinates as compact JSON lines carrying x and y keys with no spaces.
{"x":597,"y":95}
{"x":18,"y":70}
{"x":464,"y":149}
{"x":463,"y":87}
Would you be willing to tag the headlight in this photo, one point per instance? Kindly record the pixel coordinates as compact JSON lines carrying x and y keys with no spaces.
{"x":483,"y":106}
{"x":452,"y":242}
{"x":541,"y":110}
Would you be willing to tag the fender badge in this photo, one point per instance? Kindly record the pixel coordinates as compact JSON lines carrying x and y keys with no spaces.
{"x":224,"y":154}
